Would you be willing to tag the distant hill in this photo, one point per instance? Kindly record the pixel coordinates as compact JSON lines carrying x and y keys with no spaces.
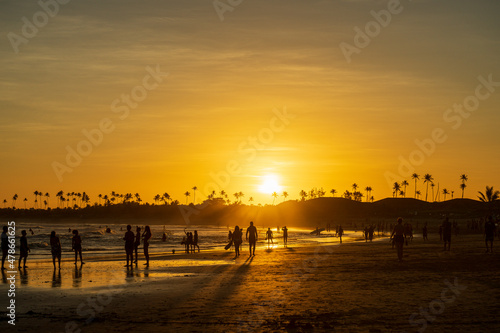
{"x":309,"y":213}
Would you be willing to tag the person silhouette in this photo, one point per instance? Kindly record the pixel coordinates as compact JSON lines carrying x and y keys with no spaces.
{"x":137,"y":243}
{"x":23,"y":249}
{"x":399,"y":238}
{"x":341,"y":233}
{"x":5,"y":245}
{"x":269,"y":236}
{"x":195,"y":240}
{"x":146,"y":236}
{"x":77,"y":246}
{"x":447,"y":233}
{"x":129,"y":245}
{"x":251,"y":236}
{"x":489,"y":232}
{"x":424,"y":231}
{"x":55,"y":248}
{"x":237,"y":240}
{"x":285,"y":236}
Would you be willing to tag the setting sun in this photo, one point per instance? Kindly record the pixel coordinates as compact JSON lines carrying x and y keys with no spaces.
{"x":270,"y":184}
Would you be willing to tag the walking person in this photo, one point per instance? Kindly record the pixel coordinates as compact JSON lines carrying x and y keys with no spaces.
{"x":285,"y":235}
{"x":447,"y":233}
{"x":269,"y":236}
{"x":5,"y":245}
{"x":129,"y":245}
{"x":76,"y":244}
{"x":195,"y":240}
{"x":251,"y":236}
{"x":424,"y":232}
{"x":489,"y":232}
{"x":23,"y":249}
{"x":341,"y":233}
{"x":237,"y":240}
{"x":55,"y":248}
{"x":146,"y":236}
{"x":399,"y":238}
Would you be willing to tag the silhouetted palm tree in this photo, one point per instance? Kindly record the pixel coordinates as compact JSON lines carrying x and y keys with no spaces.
{"x":187,"y":194}
{"x":415,"y":176}
{"x":490,"y":195}
{"x":47,"y":195}
{"x":462,"y":187}
{"x":368,"y":190}
{"x":285,"y":195}
{"x":36,"y":197}
{"x":275,"y":195}
{"x":333,"y":191}
{"x":427,"y":179}
{"x":4,"y":203}
{"x":303,"y":195}
{"x":396,"y":187}
{"x":432,"y":187}
{"x":354,"y":187}
{"x":14,"y":199}
{"x":404,"y":183}
{"x":445,"y":192}
{"x":250,"y":200}
{"x":194,"y":194}
{"x":165,"y":198}
{"x":25,"y":201}
{"x":157,"y":199}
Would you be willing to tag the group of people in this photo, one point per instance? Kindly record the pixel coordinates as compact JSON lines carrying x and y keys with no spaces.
{"x":236,"y":239}
{"x":190,"y":241}
{"x":132,"y":243}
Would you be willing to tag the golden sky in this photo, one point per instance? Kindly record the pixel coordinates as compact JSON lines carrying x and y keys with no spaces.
{"x":101,"y":67}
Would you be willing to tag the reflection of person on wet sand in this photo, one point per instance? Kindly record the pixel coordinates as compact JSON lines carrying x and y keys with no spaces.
{"x":252,"y":240}
{"x":129,"y":245}
{"x":285,"y":235}
{"x":146,"y":235}
{"x":399,"y":238}
{"x":55,"y":248}
{"x":269,"y":236}
{"x":23,"y":249}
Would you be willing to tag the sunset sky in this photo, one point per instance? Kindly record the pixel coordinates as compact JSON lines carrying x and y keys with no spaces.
{"x":267,"y":93}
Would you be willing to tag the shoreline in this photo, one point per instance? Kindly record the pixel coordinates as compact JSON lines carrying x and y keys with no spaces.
{"x":353,"y":287}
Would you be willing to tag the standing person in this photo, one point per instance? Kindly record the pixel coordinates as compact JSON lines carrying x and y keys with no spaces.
{"x":195,"y":240}
{"x":447,"y":233}
{"x":285,"y":235}
{"x":137,"y":243}
{"x":5,"y":245}
{"x":424,"y":231}
{"x":269,"y":236}
{"x":129,"y":245}
{"x":399,"y":238}
{"x":55,"y":248}
{"x":341,"y":233}
{"x":23,"y":249}
{"x":77,"y":246}
{"x":237,"y":241}
{"x":489,"y":232}
{"x":252,"y":240}
{"x":146,"y":236}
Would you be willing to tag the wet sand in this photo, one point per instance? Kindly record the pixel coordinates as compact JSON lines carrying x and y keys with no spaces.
{"x":355,"y":287}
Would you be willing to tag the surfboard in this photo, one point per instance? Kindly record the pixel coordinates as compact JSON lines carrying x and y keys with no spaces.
{"x":316,"y":231}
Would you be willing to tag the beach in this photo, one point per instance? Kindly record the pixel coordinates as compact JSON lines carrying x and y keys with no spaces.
{"x":350,"y":287}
